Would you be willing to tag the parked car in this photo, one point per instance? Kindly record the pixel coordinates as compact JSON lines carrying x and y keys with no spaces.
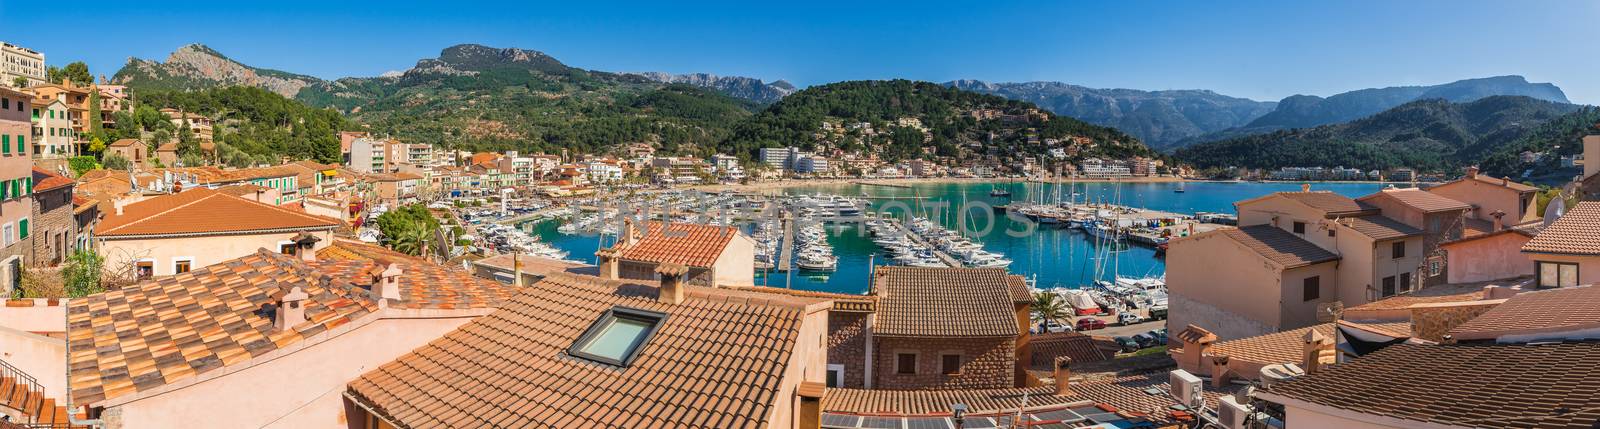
{"x":1090,"y":323}
{"x":1054,"y":326}
{"x":1160,"y":335}
{"x":1145,"y":340}
{"x":1129,"y":345}
{"x":1128,"y":318}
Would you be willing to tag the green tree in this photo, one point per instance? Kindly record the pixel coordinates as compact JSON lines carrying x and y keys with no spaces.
{"x":82,"y":273}
{"x":1049,"y":306}
{"x":115,"y":162}
{"x":97,"y":145}
{"x":96,"y":128}
{"x":78,"y":73}
{"x":54,"y":74}
{"x":409,"y":229}
{"x":20,"y":82}
{"x":82,"y":164}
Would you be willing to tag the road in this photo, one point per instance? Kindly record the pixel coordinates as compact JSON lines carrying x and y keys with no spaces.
{"x":1130,"y":330}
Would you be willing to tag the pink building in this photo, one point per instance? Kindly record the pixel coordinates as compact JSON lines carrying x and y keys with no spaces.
{"x":16,"y":184}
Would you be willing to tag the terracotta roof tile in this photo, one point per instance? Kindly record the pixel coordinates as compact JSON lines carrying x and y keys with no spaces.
{"x":1278,"y":245}
{"x":1081,"y":348}
{"x":944,"y":302}
{"x":1576,"y":232}
{"x":1275,"y":348}
{"x":156,"y":332}
{"x":125,"y":142}
{"x":1457,"y":292}
{"x":1425,"y":201}
{"x":346,"y":250}
{"x":1332,"y":203}
{"x":714,"y":362}
{"x":1123,"y":393}
{"x":680,"y":243}
{"x":1543,"y":313}
{"x":204,"y":211}
{"x":45,"y":180}
{"x":1378,"y":227}
{"x":1476,"y":385}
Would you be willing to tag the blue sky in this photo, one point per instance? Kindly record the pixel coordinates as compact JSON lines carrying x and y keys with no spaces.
{"x":1262,"y":50}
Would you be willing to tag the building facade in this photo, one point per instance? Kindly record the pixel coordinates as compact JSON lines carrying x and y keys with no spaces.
{"x":17,"y":61}
{"x":16,"y":186}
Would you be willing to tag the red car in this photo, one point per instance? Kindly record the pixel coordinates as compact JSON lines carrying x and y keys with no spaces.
{"x":1090,"y":323}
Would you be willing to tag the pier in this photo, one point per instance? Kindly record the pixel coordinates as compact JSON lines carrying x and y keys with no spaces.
{"x":943,"y":257}
{"x":513,"y":221}
{"x":886,"y":185}
{"x":786,"y":246}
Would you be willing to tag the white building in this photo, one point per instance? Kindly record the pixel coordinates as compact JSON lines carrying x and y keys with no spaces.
{"x":1096,"y":167}
{"x":604,"y":171}
{"x":17,"y":61}
{"x":779,"y":156}
{"x":814,"y":164}
{"x":53,"y":136}
{"x":369,"y":155}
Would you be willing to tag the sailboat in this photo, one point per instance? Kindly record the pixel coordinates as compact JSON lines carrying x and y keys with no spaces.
{"x":1000,"y":192}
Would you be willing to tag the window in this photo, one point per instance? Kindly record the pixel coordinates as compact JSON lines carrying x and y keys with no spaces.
{"x":287,"y":248}
{"x":905,"y":363}
{"x":616,"y":338}
{"x":1388,"y":286}
{"x":22,"y":228}
{"x":1398,"y":249}
{"x":1299,"y":227}
{"x":1556,"y":274}
{"x":835,"y":375}
{"x":9,"y":230}
{"x":1311,"y":287}
{"x":950,"y":364}
{"x":144,"y":269}
{"x":1435,"y":266}
{"x":1331,"y":232}
{"x":181,"y":266}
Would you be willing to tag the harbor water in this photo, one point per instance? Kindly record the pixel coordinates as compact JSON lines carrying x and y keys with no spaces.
{"x":1054,"y":256}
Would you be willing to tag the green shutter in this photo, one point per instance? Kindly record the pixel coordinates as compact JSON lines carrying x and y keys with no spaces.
{"x":21,"y":142}
{"x":22,"y":229}
{"x":5,"y":189}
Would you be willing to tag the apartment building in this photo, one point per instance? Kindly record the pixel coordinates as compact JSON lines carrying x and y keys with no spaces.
{"x":17,"y":61}
{"x":16,"y":187}
{"x":369,"y":155}
{"x":200,"y":125}
{"x":53,"y":132}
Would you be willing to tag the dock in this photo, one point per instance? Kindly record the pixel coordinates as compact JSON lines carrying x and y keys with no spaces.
{"x":943,"y":257}
{"x":786,"y":247}
{"x":513,"y":221}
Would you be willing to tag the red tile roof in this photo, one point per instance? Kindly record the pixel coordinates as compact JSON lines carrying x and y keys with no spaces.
{"x":1332,"y":204}
{"x":944,"y":302}
{"x":680,"y":243}
{"x":45,"y":180}
{"x":1081,"y":348}
{"x":204,"y":211}
{"x":1278,"y":245}
{"x":346,"y":250}
{"x":1121,"y":393}
{"x":714,"y":362}
{"x":1425,"y":201}
{"x":1576,"y":232}
{"x":1275,"y":348}
{"x":1543,"y":313}
{"x":125,"y":142}
{"x":1478,"y":385}
{"x":156,"y":332}
{"x":1379,"y":228}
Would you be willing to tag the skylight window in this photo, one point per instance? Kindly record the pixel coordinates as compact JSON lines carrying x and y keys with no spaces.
{"x":616,"y":338}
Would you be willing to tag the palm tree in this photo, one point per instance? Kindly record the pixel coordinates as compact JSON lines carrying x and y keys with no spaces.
{"x":1049,"y":306}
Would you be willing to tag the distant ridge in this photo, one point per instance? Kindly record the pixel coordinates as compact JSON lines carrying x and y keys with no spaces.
{"x":1159,"y":118}
{"x":1300,"y":111}
{"x":733,"y":86}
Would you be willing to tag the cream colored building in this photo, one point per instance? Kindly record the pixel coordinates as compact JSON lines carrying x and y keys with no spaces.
{"x":17,"y":61}
{"x":173,"y":234}
{"x":53,"y":134}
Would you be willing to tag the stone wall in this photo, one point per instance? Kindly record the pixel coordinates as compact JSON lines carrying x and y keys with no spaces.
{"x":1431,"y":321}
{"x":847,"y":345}
{"x":986,"y":363}
{"x":54,"y":229}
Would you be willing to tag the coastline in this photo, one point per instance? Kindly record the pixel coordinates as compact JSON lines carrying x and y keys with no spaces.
{"x":792,"y":183}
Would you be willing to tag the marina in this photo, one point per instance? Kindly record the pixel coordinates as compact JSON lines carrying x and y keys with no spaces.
{"x":1053,"y":256}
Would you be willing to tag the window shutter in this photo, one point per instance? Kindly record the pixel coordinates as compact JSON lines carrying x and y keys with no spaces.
{"x":22,"y":228}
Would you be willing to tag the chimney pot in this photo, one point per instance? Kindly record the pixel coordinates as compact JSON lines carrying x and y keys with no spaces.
{"x":387,"y":284}
{"x":1499,"y":223}
{"x":1063,"y":372}
{"x":291,"y":309}
{"x":1472,"y":172}
{"x":671,"y":282}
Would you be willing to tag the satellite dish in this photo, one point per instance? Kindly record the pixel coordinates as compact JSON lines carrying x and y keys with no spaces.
{"x":1329,"y":311}
{"x":1557,"y":207}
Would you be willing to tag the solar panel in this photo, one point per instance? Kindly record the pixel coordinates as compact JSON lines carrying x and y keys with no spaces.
{"x":1062,"y":415}
{"x":840,"y":421}
{"x":928,"y":423}
{"x":978,"y":423}
{"x":1103,"y":417}
{"x":880,"y":422}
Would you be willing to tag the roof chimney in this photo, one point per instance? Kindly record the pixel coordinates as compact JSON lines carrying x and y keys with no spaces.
{"x":1220,"y":375}
{"x":386,"y":283}
{"x":1472,"y":172}
{"x":810,"y":393}
{"x":1498,"y":222}
{"x":671,"y":282}
{"x":629,"y":232}
{"x":1312,"y":352}
{"x":291,"y":308}
{"x":1305,"y":187}
{"x":1063,"y":372}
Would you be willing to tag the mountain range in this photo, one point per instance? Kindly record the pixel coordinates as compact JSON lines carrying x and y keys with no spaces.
{"x":747,"y":88}
{"x":1430,"y":134}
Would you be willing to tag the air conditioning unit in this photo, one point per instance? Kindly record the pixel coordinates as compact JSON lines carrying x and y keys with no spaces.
{"x":1231,"y":414}
{"x":1187,"y":388}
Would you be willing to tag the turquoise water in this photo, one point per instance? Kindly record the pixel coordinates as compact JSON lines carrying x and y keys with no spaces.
{"x":1055,"y":256}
